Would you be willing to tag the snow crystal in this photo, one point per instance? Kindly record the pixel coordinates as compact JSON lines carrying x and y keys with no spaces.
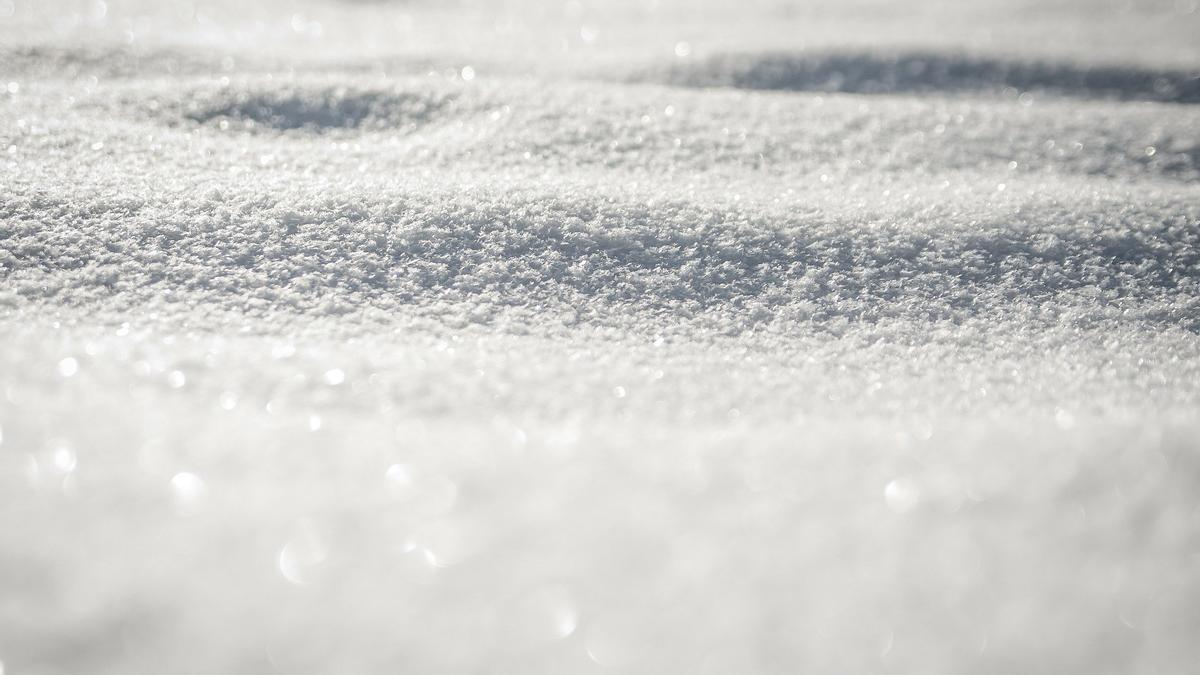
{"x":902,"y":495}
{"x":68,"y":366}
{"x":188,"y":490}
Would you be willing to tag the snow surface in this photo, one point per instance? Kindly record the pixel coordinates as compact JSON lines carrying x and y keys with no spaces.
{"x":643,"y":337}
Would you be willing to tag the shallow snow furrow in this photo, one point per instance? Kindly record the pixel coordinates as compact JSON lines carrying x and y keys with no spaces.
{"x":662,"y":129}
{"x":320,"y":110}
{"x":932,"y":72}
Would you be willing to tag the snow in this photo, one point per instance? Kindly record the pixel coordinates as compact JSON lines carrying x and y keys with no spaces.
{"x":754,"y":337}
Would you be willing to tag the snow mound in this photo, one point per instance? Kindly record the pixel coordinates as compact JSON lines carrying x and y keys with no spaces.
{"x":925,"y":72}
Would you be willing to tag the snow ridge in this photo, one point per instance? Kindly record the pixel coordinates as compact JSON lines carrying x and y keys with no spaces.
{"x":418,"y":250}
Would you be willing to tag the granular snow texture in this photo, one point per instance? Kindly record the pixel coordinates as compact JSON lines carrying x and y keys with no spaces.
{"x":633,"y":337}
